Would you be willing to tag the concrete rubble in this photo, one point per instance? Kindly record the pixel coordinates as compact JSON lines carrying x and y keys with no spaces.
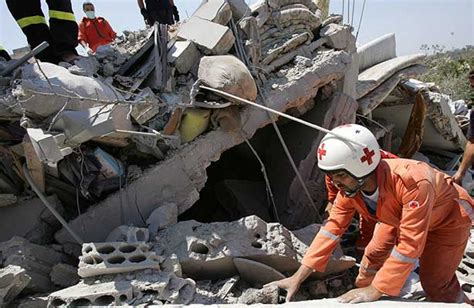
{"x":181,"y":196}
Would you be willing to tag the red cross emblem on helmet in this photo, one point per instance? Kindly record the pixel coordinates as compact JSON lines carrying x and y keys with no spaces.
{"x":413,"y":205}
{"x":321,"y":152}
{"x":367,"y":157}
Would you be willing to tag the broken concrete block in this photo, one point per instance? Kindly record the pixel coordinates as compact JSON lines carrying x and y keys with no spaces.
{"x":47,"y":146}
{"x":164,"y":286}
{"x":183,"y":56}
{"x":338,"y":37}
{"x":78,"y":92}
{"x":206,"y":251}
{"x":227,"y":73}
{"x":145,"y":107}
{"x":82,"y":126}
{"x":164,"y":216}
{"x":218,"y":11}
{"x":64,"y":275}
{"x":256,"y":273}
{"x":115,"y":257}
{"x":36,"y":260}
{"x":210,"y":38}
{"x":100,"y":294}
{"x":376,"y":51}
{"x":85,"y":66}
{"x":172,"y":265}
{"x":26,"y":218}
{"x":13,"y":279}
{"x":128,"y":234}
{"x":267,"y":295}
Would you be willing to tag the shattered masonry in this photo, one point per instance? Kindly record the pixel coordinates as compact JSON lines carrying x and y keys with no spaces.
{"x":129,"y":149}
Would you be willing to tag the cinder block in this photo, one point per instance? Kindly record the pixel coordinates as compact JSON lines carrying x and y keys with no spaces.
{"x":116,"y":257}
{"x":129,"y":235}
{"x":101,"y":294}
{"x":211,"y":38}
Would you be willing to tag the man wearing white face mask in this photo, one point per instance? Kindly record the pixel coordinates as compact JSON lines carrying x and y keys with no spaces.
{"x":94,"y":31}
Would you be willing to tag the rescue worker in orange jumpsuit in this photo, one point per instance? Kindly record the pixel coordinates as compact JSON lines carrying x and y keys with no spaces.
{"x":61,"y":34}
{"x":94,"y":31}
{"x":366,"y":226}
{"x":425,"y":217}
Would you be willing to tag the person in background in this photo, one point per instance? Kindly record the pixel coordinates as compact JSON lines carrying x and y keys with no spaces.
{"x":94,"y":31}
{"x":162,"y":11}
{"x":468,"y":156}
{"x":61,"y":34}
{"x":4,"y":54}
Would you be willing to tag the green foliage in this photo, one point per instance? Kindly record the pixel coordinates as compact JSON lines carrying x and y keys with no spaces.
{"x":449,"y":70}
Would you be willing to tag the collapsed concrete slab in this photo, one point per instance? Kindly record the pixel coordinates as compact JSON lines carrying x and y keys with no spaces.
{"x":376,"y":51}
{"x":374,"y":76}
{"x":210,"y":38}
{"x":13,"y":279}
{"x":29,"y":218}
{"x":206,"y":251}
{"x":36,"y":260}
{"x":115,"y":257}
{"x":178,"y":179}
{"x":376,"y":97}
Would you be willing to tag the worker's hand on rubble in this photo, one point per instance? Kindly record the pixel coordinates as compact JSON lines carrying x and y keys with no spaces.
{"x":457,"y":177}
{"x":146,"y":16}
{"x":361,"y":295}
{"x":89,"y":51}
{"x":291,"y":285}
{"x":175,"y":13}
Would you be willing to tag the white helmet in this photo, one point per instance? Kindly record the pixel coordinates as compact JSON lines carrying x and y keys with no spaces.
{"x":337,"y":154}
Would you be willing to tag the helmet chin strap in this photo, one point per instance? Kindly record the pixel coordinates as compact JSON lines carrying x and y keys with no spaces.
{"x":353,"y":192}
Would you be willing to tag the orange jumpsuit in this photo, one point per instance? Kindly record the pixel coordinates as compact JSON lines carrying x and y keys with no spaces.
{"x":366,"y":226}
{"x":425,"y":217}
{"x":96,"y":32}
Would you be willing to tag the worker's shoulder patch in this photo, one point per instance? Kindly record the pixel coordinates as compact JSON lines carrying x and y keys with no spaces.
{"x":413,"y":205}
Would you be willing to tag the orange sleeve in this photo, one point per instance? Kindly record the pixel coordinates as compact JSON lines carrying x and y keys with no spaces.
{"x":331,"y":189}
{"x":317,"y":256}
{"x":82,"y":36}
{"x":110,"y":31}
{"x":415,"y":219}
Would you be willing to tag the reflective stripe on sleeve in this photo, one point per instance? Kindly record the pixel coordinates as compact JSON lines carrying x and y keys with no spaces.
{"x":467,"y":207}
{"x":31,"y":20}
{"x":403,"y":258}
{"x":329,"y":234}
{"x":62,"y":15}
